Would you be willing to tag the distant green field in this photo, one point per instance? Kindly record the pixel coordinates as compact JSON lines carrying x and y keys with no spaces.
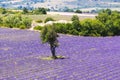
{"x":56,"y":17}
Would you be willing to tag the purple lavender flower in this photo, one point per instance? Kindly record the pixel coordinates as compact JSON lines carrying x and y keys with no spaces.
{"x":86,"y":58}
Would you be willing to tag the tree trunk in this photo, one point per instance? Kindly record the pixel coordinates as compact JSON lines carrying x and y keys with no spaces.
{"x":53,"y":51}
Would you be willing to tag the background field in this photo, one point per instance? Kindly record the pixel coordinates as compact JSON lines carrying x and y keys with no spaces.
{"x":60,"y":16}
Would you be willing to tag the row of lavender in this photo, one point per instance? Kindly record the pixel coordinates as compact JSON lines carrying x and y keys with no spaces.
{"x":86,"y":58}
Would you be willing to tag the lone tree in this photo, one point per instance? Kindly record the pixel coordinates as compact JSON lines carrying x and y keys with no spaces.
{"x":49,"y":35}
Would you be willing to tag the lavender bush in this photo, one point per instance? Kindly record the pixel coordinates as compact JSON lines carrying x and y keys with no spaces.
{"x":86,"y":58}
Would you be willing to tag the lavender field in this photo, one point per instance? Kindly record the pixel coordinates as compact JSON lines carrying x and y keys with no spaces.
{"x":86,"y":58}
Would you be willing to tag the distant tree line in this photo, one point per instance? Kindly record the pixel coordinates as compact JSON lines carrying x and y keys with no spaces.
{"x":24,"y":11}
{"x":34,"y":11}
{"x":107,"y":23}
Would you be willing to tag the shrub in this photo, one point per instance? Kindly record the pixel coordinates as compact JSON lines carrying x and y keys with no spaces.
{"x":116,"y":29}
{"x":39,"y":21}
{"x":92,"y":27}
{"x":110,"y":19}
{"x":1,"y":21}
{"x":25,"y":10}
{"x":39,"y":11}
{"x":3,"y":11}
{"x":16,"y":21}
{"x":22,"y":27}
{"x":48,"y":19}
{"x":26,"y":22}
{"x":74,"y":18}
{"x":38,"y":28}
{"x":78,"y":11}
{"x":8,"y":21}
{"x":73,"y":32}
{"x":76,"y":23}
{"x":60,"y":27}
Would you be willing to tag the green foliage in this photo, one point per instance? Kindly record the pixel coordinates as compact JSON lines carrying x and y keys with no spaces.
{"x":107,"y":23}
{"x":22,"y":27}
{"x":66,"y":9}
{"x":26,"y":22}
{"x":92,"y":27}
{"x":25,"y":10}
{"x":8,"y":21}
{"x":74,"y":18}
{"x":103,"y":17}
{"x":1,"y":21}
{"x":49,"y":35}
{"x":8,"y":11}
{"x":78,"y":11}
{"x":48,"y":19}
{"x":3,"y":11}
{"x":16,"y":21}
{"x":64,"y":28}
{"x":60,"y":28}
{"x":110,"y":20}
{"x":38,"y":28}
{"x":116,"y":29}
{"x":39,"y":11}
{"x":73,"y":32}
{"x":76,"y":23}
{"x":39,"y":21}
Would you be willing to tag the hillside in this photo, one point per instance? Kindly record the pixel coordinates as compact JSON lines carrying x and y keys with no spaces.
{"x":60,"y":5}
